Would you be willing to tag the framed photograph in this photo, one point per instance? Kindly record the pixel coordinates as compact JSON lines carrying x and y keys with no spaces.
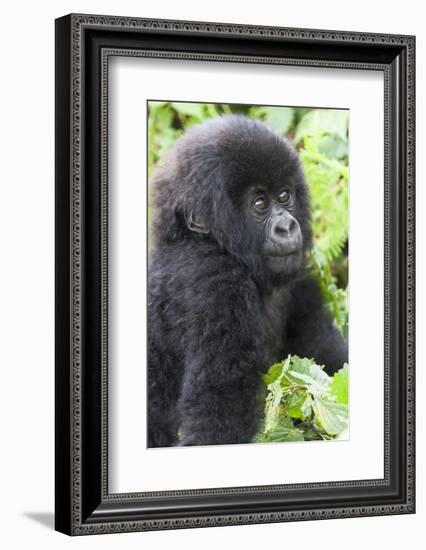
{"x":234,"y":274}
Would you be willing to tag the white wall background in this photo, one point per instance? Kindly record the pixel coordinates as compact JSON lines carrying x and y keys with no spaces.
{"x":26,"y":289}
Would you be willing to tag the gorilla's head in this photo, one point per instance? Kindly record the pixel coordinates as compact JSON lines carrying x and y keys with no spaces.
{"x":235,"y":181}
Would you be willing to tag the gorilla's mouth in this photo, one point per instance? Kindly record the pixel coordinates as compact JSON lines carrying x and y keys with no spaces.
{"x":283,"y":251}
{"x":285,"y":260}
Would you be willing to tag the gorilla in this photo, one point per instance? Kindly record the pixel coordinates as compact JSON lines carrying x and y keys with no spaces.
{"x":229,"y":293}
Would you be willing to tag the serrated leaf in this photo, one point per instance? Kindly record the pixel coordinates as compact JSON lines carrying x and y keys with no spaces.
{"x":282,"y":434}
{"x":300,"y":404}
{"x":326,"y":416}
{"x":276,"y":371}
{"x":310,"y":374}
{"x":273,"y":402}
{"x":301,"y":377}
{"x":337,"y":408}
{"x":309,"y":434}
{"x":294,"y":405}
{"x":296,"y":366}
{"x":339,"y":385}
{"x":286,"y":431}
{"x":307,"y":406}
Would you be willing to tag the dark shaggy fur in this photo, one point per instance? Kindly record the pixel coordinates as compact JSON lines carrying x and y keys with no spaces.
{"x":221,"y":311}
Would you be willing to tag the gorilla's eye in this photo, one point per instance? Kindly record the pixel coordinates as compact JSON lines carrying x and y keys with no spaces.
{"x":284,"y":197}
{"x":260,"y":203}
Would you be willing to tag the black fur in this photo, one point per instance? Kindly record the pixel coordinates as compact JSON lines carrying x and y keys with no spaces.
{"x":220,"y":313}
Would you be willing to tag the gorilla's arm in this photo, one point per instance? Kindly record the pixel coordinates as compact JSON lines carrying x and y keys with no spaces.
{"x":311,"y":332}
{"x":219,"y":401}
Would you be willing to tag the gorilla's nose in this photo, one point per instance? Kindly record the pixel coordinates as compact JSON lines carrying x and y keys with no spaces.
{"x":285,"y":227}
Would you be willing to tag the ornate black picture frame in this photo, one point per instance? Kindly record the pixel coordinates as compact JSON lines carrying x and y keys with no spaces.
{"x":84,"y":44}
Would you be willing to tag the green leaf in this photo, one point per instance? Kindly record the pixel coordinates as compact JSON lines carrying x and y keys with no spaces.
{"x":327,"y":416}
{"x":339,"y":385}
{"x":276,"y":371}
{"x":297,"y":369}
{"x":305,"y":371}
{"x":309,"y":434}
{"x":286,"y":432}
{"x":337,"y":408}
{"x":279,"y":118}
{"x":189,"y":109}
{"x":301,"y":404}
{"x":294,"y":405}
{"x":323,"y":121}
{"x":306,"y":408}
{"x":333,"y":146}
{"x":273,"y":402}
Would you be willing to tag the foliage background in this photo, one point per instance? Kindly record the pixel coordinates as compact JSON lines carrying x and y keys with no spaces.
{"x":321,"y":138}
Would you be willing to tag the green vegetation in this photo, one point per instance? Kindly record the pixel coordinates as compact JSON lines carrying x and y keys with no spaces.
{"x":303,"y":403}
{"x":301,"y":412}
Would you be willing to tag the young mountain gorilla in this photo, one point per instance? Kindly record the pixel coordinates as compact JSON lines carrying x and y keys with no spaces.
{"x":228,"y":291}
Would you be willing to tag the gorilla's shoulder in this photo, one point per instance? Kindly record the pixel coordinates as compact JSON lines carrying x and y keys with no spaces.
{"x":190,"y":259}
{"x":200,"y":268}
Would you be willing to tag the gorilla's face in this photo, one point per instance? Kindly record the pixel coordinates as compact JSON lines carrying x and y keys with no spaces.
{"x":268,"y":223}
{"x":272,"y":211}
{"x":235,"y":181}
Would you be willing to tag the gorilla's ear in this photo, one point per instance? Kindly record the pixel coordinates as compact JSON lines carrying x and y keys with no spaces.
{"x":194,"y":224}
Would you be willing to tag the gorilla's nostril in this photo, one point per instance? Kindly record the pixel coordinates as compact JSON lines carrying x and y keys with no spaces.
{"x":284,"y":228}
